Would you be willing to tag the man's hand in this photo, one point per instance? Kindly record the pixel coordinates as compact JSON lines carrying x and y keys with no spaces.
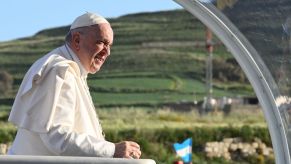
{"x":127,"y":149}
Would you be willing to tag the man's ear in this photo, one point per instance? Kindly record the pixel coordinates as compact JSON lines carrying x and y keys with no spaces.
{"x":76,"y":41}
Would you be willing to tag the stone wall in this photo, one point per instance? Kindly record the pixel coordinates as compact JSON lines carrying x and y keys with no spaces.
{"x":4,"y":148}
{"x":232,"y":148}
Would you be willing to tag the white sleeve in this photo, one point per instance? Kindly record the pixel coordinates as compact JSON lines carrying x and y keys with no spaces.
{"x":61,"y":139}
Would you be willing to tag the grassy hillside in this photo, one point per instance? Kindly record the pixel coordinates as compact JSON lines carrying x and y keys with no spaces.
{"x":156,"y":58}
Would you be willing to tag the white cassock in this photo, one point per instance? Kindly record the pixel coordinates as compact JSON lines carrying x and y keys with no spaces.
{"x":54,"y":112}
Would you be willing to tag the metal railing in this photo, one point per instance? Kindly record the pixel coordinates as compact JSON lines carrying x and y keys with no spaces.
{"x":24,"y":159}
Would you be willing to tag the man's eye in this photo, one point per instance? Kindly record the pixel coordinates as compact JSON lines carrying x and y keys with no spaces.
{"x":103,"y":43}
{"x":100,"y":42}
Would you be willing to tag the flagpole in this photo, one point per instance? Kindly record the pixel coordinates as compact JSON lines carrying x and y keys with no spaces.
{"x":209,"y":48}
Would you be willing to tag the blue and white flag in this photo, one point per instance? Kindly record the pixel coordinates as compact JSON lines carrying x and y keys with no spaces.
{"x":184,"y":150}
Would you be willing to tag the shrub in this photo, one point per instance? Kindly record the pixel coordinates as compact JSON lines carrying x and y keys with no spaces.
{"x":228,"y":70}
{"x":7,"y":135}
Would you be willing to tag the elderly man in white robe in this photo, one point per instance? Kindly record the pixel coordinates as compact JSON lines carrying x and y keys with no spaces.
{"x":53,"y":109}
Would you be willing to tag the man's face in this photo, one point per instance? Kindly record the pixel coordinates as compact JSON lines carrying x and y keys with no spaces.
{"x":94,"y":46}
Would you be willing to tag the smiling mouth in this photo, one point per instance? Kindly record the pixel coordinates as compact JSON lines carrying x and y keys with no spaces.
{"x":98,"y":59}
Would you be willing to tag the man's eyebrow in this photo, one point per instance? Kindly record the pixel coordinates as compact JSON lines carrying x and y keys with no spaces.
{"x":106,"y":41}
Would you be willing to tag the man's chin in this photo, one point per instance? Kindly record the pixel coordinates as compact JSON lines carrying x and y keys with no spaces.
{"x":95,"y":70}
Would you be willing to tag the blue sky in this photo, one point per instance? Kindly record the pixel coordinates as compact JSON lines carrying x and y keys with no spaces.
{"x":22,"y":18}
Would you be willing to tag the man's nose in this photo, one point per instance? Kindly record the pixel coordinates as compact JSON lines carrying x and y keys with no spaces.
{"x":107,"y":50}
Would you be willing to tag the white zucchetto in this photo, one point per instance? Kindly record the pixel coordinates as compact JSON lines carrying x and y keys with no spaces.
{"x":88,"y":19}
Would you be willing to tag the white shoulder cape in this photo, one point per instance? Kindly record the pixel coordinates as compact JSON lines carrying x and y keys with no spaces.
{"x":34,"y":106}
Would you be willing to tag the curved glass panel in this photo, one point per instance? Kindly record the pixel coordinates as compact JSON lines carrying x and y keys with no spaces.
{"x":261,"y":30}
